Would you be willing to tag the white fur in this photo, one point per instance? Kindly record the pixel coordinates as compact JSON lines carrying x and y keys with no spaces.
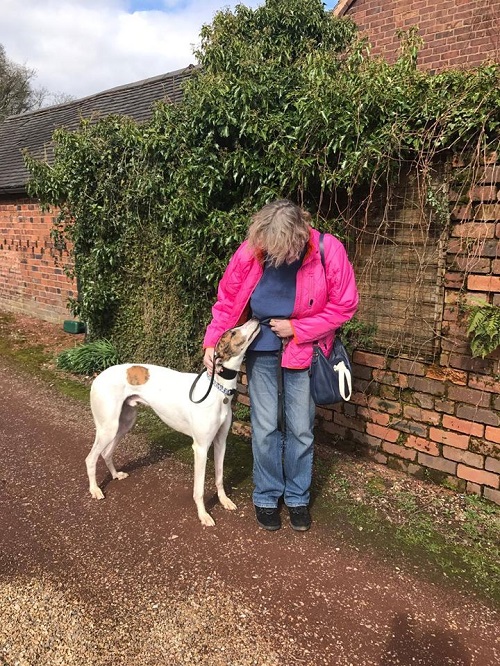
{"x":114,"y":405}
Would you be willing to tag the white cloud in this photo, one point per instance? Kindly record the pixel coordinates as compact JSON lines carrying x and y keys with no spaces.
{"x":79,"y":47}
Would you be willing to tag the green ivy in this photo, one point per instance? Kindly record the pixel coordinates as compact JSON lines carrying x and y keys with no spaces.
{"x":287,"y":102}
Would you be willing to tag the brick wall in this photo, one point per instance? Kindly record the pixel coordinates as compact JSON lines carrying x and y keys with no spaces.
{"x":32,"y":279}
{"x":455,"y":32}
{"x":441,"y":420}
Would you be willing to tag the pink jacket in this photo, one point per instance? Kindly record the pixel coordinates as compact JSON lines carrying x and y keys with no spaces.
{"x":321,"y":306}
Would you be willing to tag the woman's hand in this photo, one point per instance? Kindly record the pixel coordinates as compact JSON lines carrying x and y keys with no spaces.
{"x":208,"y":360}
{"x":282,"y":328}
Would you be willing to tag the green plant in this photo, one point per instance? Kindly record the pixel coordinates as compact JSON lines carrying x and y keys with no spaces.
{"x":483,"y":328}
{"x":287,"y":102}
{"x":356,"y":334}
{"x":88,"y":358}
{"x":241,"y":412}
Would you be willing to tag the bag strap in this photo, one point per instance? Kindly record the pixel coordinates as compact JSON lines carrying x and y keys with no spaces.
{"x":322,"y":251}
{"x":322,"y":255}
{"x":345,"y":380}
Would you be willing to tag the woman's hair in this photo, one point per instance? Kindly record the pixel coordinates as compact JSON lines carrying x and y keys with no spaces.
{"x":280,"y":230}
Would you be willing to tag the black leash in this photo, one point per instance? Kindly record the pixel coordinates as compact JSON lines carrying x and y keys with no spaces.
{"x":279,"y":378}
{"x":191,"y":391}
{"x":225,"y":373}
{"x":281,"y":401}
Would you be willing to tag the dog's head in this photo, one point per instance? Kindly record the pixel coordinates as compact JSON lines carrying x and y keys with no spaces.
{"x":233,"y":344}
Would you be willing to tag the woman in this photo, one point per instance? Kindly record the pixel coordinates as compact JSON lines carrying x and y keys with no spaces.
{"x":277,"y":276}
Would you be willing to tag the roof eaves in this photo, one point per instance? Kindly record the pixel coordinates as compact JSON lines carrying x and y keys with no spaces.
{"x":103,"y":93}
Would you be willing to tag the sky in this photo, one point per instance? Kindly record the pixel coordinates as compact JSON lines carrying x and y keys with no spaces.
{"x":81,"y":47}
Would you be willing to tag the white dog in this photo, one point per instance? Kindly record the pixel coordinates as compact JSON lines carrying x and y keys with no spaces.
{"x":117,"y":391}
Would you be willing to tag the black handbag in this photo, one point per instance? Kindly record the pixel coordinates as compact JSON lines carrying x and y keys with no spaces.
{"x":331,"y":380}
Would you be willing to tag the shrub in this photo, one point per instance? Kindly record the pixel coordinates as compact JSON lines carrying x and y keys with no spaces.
{"x":88,"y":358}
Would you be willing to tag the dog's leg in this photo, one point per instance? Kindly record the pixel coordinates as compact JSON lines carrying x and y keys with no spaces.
{"x":101,"y":442}
{"x":219,"y":453}
{"x":127,"y":420}
{"x":111,"y":426}
{"x":107,"y":456}
{"x":200,"y":465}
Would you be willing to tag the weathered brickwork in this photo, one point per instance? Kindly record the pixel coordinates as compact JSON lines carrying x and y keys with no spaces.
{"x":440,"y":421}
{"x":456,"y":33}
{"x":32,"y":278}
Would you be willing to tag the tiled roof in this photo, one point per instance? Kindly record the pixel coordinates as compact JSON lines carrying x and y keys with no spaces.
{"x":33,"y":130}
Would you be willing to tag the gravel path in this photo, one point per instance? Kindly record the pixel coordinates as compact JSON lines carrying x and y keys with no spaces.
{"x":136,"y":580}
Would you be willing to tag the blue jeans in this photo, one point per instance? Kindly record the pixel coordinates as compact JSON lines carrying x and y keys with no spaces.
{"x":282,"y":461}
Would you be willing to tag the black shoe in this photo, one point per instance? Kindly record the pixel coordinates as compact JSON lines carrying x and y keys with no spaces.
{"x":268,"y":518}
{"x":300,"y":519}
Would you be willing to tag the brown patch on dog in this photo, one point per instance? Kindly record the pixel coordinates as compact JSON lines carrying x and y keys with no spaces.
{"x":230,"y":345}
{"x":137,"y":375}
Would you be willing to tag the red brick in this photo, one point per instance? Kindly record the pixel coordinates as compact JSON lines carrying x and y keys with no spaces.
{"x":436,"y":462}
{"x":483,"y":283}
{"x":483,"y":193}
{"x":449,"y":438}
{"x":473,"y":488}
{"x":492,"y":434}
{"x":422,"y":444}
{"x":407,"y":367}
{"x":382,"y":432}
{"x":478,"y":230}
{"x":351,"y":424}
{"x":492,"y":465}
{"x":359,"y":398}
{"x":492,"y":495}
{"x":481,"y":477}
{"x":424,"y":415}
{"x":425,"y":385}
{"x":487,"y":212}
{"x":381,"y":418}
{"x":371,"y":360}
{"x":381,"y":405}
{"x":484,"y":383}
{"x":466,"y":457}
{"x":399,"y":451}
{"x":465,"y":427}
{"x":461,"y":213}
{"x":490,"y":175}
{"x":469,"y":396}
{"x":447,"y":374}
{"x":390,"y":378}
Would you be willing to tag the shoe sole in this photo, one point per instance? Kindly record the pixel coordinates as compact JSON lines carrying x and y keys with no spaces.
{"x":301,"y":528}
{"x":269,"y":528}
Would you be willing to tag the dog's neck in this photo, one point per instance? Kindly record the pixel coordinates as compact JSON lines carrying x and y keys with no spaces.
{"x":227,"y":377}
{"x":224,"y":389}
{"x":227,"y":373}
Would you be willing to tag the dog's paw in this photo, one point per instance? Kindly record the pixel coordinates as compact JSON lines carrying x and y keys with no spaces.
{"x":206,"y":520}
{"x":227,"y":504}
{"x":97,"y":493}
{"x":121,"y":475}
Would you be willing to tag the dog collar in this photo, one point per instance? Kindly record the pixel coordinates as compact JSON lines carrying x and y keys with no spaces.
{"x":227,"y":373}
{"x":223,"y":389}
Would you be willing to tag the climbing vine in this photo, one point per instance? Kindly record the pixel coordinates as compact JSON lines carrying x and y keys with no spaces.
{"x":287,"y":102}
